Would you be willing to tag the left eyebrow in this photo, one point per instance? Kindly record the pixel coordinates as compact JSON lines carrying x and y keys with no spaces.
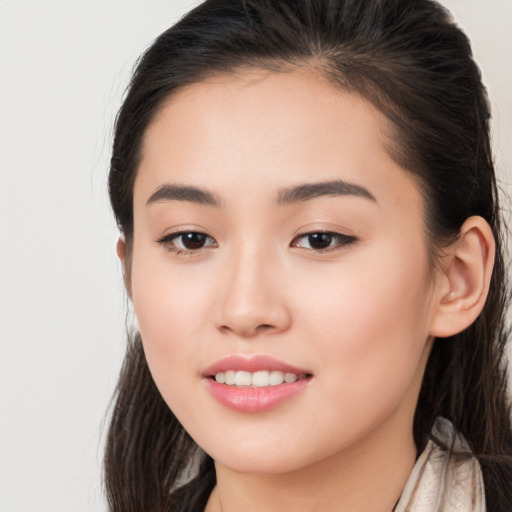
{"x":309,"y":191}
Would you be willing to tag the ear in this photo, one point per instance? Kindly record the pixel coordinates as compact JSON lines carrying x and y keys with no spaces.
{"x":463,"y":284}
{"x":122,"y":254}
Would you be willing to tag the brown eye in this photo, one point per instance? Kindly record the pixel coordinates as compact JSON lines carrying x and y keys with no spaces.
{"x":193,"y":241}
{"x":323,"y":240}
{"x":187,"y":241}
{"x":320,"y":240}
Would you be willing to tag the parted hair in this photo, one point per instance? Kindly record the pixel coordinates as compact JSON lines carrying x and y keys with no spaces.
{"x":410,"y":60}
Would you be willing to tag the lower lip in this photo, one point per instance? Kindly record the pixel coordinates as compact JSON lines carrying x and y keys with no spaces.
{"x":249,"y":399}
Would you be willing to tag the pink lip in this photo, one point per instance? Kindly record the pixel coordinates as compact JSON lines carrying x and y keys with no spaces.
{"x":257,"y":399}
{"x":252,"y":364}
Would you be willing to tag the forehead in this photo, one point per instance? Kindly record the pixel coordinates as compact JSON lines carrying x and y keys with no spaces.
{"x":300,"y":100}
{"x":259,"y":127}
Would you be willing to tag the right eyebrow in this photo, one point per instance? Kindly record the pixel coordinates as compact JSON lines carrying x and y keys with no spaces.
{"x":172,"y":192}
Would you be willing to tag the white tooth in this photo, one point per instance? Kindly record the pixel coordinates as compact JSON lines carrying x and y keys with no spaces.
{"x":243,"y":378}
{"x":260,"y":379}
{"x":276,"y":378}
{"x":220,"y":377}
{"x":290,"y":377}
{"x":230,"y":377}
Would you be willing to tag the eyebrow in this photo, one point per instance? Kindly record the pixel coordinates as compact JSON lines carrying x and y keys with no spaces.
{"x":170,"y":192}
{"x":298,"y":193}
{"x":309,"y":191}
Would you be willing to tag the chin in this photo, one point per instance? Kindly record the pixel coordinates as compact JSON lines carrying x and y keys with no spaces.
{"x":261,"y":463}
{"x":261,"y":456}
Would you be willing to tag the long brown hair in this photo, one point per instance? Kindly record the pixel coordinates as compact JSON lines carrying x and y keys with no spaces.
{"x":410,"y":60}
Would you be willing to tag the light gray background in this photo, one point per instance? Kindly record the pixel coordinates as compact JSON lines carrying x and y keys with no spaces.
{"x":63,"y":67}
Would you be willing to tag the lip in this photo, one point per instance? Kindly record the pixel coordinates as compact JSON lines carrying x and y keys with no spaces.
{"x":252,"y":364}
{"x":254,"y":399}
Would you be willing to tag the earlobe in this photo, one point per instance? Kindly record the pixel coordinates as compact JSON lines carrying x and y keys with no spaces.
{"x":463,"y":285}
{"x":121,"y":249}
{"x":122,"y":255}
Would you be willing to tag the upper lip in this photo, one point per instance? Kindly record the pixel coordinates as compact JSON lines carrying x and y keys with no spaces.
{"x":252,"y":364}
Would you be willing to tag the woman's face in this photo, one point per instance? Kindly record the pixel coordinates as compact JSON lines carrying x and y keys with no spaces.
{"x":274,"y":235}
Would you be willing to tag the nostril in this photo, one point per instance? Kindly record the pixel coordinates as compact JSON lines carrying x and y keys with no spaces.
{"x":246,"y":330}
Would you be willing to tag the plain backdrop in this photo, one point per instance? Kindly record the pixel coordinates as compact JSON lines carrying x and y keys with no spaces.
{"x":64,"y":65}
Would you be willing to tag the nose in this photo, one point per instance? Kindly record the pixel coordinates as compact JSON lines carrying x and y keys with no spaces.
{"x":253,"y":298}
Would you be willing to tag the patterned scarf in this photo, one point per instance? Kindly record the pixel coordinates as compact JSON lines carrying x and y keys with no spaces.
{"x":446,"y":477}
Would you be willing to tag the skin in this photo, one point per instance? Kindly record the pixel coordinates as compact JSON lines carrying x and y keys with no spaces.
{"x":360,"y":316}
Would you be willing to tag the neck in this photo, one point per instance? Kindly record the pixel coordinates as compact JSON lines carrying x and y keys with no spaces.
{"x":369,"y":475}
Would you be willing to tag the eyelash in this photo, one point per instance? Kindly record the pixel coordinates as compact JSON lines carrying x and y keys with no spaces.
{"x":168,"y":242}
{"x":341,"y":241}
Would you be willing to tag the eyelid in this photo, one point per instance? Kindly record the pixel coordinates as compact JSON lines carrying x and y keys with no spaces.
{"x":343,"y":240}
{"x":168,"y":239}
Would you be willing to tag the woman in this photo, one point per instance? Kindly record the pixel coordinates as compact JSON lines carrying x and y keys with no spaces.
{"x":311,"y":240}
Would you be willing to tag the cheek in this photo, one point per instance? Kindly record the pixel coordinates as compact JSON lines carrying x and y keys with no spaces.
{"x":370,"y":322}
{"x":171,"y":309}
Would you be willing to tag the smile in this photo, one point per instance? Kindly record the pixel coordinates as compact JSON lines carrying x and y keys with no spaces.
{"x":254,"y":384}
{"x":258,"y":379}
